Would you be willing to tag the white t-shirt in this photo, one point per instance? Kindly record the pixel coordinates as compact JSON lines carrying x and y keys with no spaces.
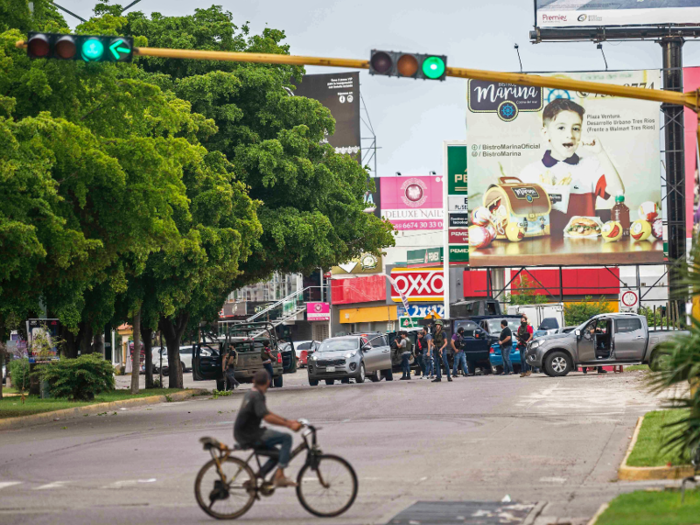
{"x":573,"y":185}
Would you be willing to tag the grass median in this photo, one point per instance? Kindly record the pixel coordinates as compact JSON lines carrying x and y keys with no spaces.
{"x":653,"y":508}
{"x":649,"y":451}
{"x":13,"y":406}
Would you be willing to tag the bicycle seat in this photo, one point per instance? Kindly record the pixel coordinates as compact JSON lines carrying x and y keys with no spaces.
{"x":210,"y":443}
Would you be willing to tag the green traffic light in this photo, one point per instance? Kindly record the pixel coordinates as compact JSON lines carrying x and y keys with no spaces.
{"x":92,"y":49}
{"x":433,"y":67}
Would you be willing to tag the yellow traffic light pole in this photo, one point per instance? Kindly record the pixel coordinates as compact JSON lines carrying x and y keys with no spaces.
{"x":690,"y":100}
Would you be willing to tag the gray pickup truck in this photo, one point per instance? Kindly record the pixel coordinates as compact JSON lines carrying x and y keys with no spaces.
{"x":607,"y":339}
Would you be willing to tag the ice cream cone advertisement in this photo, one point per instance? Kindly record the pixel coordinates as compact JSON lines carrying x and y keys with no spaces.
{"x":558,"y":174}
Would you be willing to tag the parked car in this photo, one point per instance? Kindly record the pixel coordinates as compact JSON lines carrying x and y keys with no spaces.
{"x":480,"y":332}
{"x":303,"y":349}
{"x":606,"y":339}
{"x":185,"y":359}
{"x":496,"y":358}
{"x":207,"y":356}
{"x":351,"y":357}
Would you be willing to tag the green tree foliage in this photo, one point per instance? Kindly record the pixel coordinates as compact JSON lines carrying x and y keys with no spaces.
{"x":78,"y":379}
{"x":677,"y":363}
{"x":527,"y":293}
{"x":19,"y":372}
{"x":578,"y":313}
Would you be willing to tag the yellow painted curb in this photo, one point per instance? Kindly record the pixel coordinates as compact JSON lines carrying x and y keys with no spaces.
{"x":648,"y":473}
{"x":70,"y":413}
{"x":601,"y":509}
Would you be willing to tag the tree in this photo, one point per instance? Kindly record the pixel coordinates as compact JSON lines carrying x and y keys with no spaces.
{"x":527,"y":293}
{"x":578,"y":313}
{"x":310,"y":199}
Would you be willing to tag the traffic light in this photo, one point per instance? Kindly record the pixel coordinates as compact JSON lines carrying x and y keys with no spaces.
{"x":409,"y":65}
{"x":88,"y":48}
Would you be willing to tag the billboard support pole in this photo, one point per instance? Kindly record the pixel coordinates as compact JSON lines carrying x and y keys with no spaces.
{"x":674,"y":137}
{"x":446,"y":232}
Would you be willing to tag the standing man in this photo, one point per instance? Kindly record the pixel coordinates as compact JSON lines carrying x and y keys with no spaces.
{"x":460,"y":360}
{"x":266,"y":356}
{"x":524,"y":335}
{"x":229,"y":366}
{"x":418,"y":353}
{"x":428,"y":353}
{"x":506,"y":342}
{"x":439,"y":352}
{"x":405,"y":348}
{"x":248,"y":433}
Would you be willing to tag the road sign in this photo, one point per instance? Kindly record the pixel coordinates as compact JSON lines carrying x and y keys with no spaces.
{"x":629,"y":299}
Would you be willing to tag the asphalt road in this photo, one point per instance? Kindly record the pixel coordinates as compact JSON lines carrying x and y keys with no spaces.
{"x":536,"y":439}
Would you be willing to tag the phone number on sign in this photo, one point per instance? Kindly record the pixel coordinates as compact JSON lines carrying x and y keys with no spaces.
{"x":418,"y":225}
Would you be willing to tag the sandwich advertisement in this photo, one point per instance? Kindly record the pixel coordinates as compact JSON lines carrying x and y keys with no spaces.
{"x":563,"y":177}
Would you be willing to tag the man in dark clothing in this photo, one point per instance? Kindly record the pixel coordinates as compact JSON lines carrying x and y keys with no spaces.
{"x":506,"y":342}
{"x":248,"y":433}
{"x":440,"y":352}
{"x":460,"y":358}
{"x":418,"y":353}
{"x":229,"y":365}
{"x":405,"y":348}
{"x":524,"y":335}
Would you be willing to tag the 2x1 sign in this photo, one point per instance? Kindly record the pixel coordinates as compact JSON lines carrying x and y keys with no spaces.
{"x":418,"y":285}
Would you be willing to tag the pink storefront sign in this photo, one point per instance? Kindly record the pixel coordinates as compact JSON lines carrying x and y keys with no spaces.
{"x":318,"y":312}
{"x":412,"y":203}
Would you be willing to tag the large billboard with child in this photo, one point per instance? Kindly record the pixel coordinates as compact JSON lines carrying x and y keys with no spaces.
{"x":563,"y":177}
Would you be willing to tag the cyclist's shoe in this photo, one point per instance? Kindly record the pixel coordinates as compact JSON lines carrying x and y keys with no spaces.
{"x":283,"y":482}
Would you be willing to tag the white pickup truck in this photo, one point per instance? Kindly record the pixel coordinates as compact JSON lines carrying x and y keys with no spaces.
{"x":607,"y":339}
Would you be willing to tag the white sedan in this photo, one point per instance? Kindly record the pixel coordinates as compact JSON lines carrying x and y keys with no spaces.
{"x":185,"y":358}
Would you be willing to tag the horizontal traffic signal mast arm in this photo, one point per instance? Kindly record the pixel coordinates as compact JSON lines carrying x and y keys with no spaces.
{"x":690,"y":99}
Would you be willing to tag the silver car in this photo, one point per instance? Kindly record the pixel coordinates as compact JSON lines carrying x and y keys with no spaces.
{"x":351,"y":357}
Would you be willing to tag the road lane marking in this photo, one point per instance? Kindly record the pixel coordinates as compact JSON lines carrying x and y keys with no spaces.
{"x":5,"y":484}
{"x":552,"y":480}
{"x":128,"y":482}
{"x":53,"y":485}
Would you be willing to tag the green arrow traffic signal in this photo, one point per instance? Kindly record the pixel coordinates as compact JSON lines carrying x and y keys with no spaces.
{"x":88,"y":48}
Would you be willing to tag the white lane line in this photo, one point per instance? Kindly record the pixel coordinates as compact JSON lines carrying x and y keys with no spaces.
{"x":553,"y":480}
{"x":5,"y":484}
{"x":128,"y":482}
{"x":53,"y":485}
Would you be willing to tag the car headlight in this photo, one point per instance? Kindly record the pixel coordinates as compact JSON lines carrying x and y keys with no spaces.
{"x":535,"y":344}
{"x":350,"y":354}
{"x":313,"y":357}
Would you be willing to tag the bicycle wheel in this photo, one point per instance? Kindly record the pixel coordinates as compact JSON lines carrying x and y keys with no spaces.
{"x":228,"y":500}
{"x":328,"y":490}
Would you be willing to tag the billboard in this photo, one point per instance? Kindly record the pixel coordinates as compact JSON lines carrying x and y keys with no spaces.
{"x":560,"y":177}
{"x":339,"y":92}
{"x":412,"y":203}
{"x":596,"y":13}
{"x":365,"y":263}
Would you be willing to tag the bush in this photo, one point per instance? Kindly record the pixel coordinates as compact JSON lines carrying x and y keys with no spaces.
{"x":578,"y":313}
{"x":19,"y":372}
{"x":79,"y":379}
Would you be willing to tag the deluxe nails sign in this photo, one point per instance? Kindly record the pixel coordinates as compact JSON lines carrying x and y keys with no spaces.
{"x":417,"y":285}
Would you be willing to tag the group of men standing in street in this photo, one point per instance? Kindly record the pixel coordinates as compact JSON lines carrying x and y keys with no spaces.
{"x":431,"y":351}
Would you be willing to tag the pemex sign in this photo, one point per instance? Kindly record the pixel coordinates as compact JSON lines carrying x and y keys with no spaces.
{"x":417,"y":284}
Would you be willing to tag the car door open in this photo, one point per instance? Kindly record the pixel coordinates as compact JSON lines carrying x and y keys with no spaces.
{"x":630,"y":339}
{"x":206,"y":362}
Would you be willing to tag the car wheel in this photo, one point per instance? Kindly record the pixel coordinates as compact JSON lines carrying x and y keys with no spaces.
{"x":330,"y":381}
{"x":376,"y":377}
{"x":313,"y":382}
{"x":278,"y":381}
{"x":362,"y":375}
{"x":558,"y":364}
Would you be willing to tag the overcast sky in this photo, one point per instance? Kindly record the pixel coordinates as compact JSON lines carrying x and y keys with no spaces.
{"x":411,"y":118}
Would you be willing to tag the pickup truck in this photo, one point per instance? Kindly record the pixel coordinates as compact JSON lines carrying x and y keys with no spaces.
{"x":606,"y":339}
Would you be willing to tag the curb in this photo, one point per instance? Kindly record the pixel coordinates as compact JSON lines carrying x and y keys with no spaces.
{"x":649,"y":473}
{"x":601,"y":509}
{"x":70,"y":413}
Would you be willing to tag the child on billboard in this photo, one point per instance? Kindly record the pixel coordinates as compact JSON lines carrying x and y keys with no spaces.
{"x":573,"y":183}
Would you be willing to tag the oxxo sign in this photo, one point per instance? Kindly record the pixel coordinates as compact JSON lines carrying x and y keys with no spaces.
{"x":419,"y":285}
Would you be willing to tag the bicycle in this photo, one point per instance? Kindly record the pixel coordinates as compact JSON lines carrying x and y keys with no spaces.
{"x":233,"y":486}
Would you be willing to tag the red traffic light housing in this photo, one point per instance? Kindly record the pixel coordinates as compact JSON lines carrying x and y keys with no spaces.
{"x":407,"y":65}
{"x":87,"y":48}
